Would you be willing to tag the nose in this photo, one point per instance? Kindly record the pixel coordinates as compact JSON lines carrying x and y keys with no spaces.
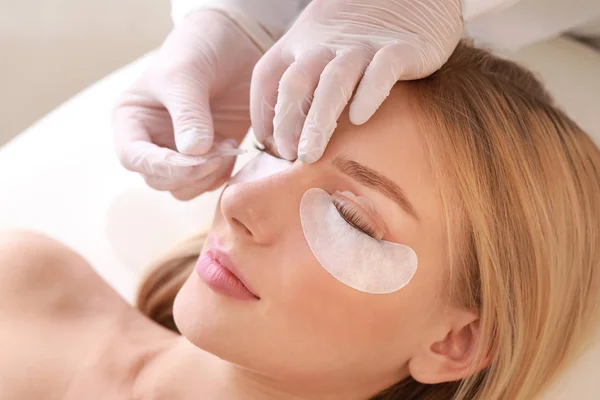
{"x":259,"y":211}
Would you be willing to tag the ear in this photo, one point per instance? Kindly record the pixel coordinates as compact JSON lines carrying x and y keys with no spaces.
{"x":452,"y":357}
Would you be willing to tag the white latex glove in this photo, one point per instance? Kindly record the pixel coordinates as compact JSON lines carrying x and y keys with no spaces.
{"x":180,"y":124}
{"x":275,"y":16}
{"x":304,"y":82}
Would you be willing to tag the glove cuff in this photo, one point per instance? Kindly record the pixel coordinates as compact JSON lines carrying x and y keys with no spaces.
{"x":473,"y":9}
{"x":274,"y":16}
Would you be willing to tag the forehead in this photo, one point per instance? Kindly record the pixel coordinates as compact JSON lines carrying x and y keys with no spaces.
{"x":391,"y":143}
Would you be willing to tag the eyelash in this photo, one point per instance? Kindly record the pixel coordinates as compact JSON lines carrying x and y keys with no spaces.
{"x":354,"y":217}
{"x":350,"y":214}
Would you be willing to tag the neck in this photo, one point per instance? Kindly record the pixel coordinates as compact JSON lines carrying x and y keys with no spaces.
{"x":180,"y":370}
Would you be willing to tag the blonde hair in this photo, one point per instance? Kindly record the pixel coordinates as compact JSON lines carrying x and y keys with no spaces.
{"x":523,"y":182}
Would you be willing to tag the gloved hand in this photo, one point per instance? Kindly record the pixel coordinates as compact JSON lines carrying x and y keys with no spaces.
{"x":180,"y":124}
{"x":304,"y":82}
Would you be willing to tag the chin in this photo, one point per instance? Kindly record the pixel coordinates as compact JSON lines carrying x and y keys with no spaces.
{"x":214,"y":323}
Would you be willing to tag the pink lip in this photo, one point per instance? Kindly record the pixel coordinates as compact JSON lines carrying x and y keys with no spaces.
{"x":216,"y":270}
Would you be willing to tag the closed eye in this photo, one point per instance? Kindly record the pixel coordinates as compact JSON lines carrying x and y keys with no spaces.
{"x":356,"y":218}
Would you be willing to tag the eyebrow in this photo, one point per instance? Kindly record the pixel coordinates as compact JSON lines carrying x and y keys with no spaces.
{"x":375,"y":180}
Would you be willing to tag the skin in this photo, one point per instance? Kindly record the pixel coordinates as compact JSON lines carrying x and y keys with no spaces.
{"x":63,"y":330}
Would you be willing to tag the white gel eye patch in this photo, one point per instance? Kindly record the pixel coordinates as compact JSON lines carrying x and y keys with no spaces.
{"x":351,"y":256}
{"x":260,"y":167}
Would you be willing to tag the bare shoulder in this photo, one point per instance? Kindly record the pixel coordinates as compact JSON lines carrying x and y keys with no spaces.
{"x":36,"y":270}
{"x":29,"y":260}
{"x":24,"y":254}
{"x":54,"y":312}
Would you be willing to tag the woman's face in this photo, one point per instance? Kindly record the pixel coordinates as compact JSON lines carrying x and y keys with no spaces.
{"x":306,"y":324}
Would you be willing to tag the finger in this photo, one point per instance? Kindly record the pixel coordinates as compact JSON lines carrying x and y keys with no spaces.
{"x":188,"y":101}
{"x":187,"y":194}
{"x":335,"y":89}
{"x":197,"y":174}
{"x":162,"y":184}
{"x":263,"y":92}
{"x":151,"y":160}
{"x":398,"y":61}
{"x":134,"y":146}
{"x":206,"y":184}
{"x":195,"y":190}
{"x":129,"y":115}
{"x":296,"y":90}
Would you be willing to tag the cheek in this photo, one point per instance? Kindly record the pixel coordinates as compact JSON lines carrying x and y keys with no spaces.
{"x":332,"y":321}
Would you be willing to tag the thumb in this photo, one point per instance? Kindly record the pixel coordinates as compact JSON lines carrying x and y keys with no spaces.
{"x":192,"y":120}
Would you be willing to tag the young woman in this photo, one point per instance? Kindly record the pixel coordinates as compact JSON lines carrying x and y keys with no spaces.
{"x":490,"y":191}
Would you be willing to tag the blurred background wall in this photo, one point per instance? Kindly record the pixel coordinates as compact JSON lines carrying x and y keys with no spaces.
{"x":51,"y":49}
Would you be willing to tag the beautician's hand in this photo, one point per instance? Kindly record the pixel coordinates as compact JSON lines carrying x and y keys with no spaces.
{"x":303,"y":83}
{"x":179,"y":124}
